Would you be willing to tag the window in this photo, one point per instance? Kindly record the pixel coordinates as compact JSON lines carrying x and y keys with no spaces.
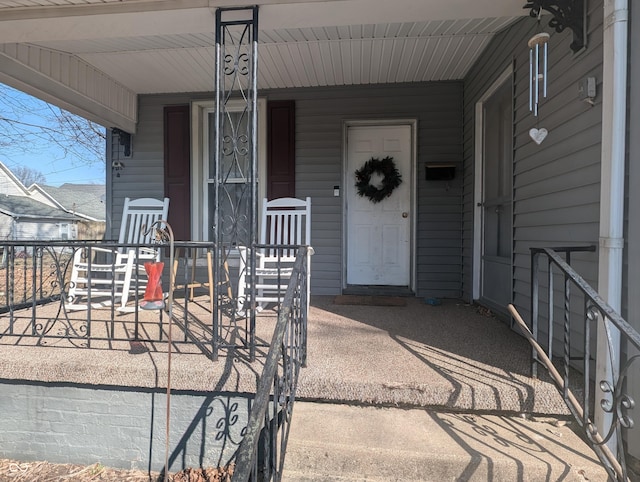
{"x":65,"y":232}
{"x":234,"y":172}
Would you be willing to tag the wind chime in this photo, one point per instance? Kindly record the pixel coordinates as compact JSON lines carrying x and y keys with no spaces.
{"x":538,"y":65}
{"x":565,"y":14}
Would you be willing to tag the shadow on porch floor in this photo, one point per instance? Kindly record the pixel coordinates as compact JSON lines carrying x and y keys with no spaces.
{"x":415,"y":355}
{"x":448,"y":356}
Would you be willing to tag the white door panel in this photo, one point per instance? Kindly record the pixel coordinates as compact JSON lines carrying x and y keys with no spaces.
{"x":379,"y":234}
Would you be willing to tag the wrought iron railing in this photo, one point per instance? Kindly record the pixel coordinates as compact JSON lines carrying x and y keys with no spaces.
{"x":25,"y":277}
{"x":262,"y":451}
{"x":583,"y":308}
{"x":38,"y":297}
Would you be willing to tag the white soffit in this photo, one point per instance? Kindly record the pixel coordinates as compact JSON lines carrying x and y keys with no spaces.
{"x":297,"y":57}
{"x":158,"y":46}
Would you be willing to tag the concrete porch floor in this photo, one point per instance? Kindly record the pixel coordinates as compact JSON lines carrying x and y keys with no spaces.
{"x":416,"y":355}
{"x":402,"y":381}
{"x":449,"y":356}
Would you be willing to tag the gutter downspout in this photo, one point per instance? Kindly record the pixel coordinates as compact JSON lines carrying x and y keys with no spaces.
{"x":612,"y":195}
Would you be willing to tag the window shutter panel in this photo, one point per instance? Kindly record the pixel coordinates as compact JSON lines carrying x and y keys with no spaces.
{"x":177,"y":169}
{"x":281,"y":156}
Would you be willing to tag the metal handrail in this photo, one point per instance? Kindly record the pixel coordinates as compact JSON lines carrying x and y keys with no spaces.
{"x":595,"y":309}
{"x":35,"y":288}
{"x":277,"y":385}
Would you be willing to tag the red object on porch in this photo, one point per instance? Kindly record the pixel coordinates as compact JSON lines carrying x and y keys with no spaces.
{"x":153,"y":291}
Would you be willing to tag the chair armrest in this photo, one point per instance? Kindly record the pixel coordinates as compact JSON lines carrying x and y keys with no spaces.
{"x":245,"y":252}
{"x":144,"y":254}
{"x":77,"y":257}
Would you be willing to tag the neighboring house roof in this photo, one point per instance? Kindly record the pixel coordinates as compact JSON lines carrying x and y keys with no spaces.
{"x":10,"y":184}
{"x":23,"y":207}
{"x":69,"y":201}
{"x":84,"y":200}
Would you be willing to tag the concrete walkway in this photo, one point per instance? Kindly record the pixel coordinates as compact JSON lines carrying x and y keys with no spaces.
{"x":334,"y":442}
{"x":470,"y":411}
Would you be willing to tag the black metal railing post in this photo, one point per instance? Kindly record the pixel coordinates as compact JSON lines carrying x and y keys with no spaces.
{"x":235,"y":153}
{"x":535,"y":293}
{"x":275,"y":395}
{"x":616,"y":402}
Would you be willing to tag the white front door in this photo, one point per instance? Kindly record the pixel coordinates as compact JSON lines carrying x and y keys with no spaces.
{"x":379,"y":234}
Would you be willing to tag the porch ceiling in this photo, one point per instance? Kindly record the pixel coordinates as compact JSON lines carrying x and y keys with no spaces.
{"x":162,"y":46}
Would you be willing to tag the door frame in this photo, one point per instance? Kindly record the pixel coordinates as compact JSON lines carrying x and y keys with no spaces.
{"x":413,"y":124}
{"x":478,"y":188}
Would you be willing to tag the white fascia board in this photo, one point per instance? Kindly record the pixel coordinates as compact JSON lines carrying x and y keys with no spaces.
{"x":104,"y":101}
{"x":133,"y":19}
{"x":39,"y":194}
{"x":84,"y":216}
{"x":13,"y":179}
{"x":35,"y":216}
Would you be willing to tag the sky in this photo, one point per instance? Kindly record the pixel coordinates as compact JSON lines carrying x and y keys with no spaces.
{"x":57,"y":166}
{"x":58,"y":171}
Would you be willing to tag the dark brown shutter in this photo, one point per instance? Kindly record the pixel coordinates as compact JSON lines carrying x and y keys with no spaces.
{"x":281,"y":156}
{"x":177,"y":169}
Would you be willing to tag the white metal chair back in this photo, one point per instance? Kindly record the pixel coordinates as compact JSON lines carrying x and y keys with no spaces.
{"x":137,"y":217}
{"x":285,"y":221}
{"x":123,"y":267}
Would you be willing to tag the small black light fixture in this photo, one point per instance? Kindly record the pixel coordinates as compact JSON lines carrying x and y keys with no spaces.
{"x":124,"y":139}
{"x":571,"y":14}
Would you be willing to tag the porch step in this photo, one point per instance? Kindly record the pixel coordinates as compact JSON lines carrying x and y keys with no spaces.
{"x":332,"y":442}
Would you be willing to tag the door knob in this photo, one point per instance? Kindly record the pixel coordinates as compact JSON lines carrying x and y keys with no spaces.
{"x":405,"y":214}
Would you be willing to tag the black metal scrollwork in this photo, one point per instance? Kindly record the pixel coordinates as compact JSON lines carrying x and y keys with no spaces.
{"x":620,"y":402}
{"x":566,"y":14}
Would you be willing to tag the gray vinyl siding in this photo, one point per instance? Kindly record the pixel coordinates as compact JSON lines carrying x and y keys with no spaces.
{"x":632,"y":217}
{"x":556,"y":185}
{"x":631,"y":300}
{"x":320,"y":117}
{"x":6,"y":226}
{"x":143,"y":172}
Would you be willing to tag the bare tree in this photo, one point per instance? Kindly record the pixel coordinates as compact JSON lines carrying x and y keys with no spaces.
{"x":28,"y":176}
{"x":27,"y":124}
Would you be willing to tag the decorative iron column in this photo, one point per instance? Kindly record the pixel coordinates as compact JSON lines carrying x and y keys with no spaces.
{"x":235,"y":196}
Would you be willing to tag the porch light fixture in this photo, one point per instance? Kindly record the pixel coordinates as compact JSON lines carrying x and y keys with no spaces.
{"x":124,"y":140}
{"x":569,"y":14}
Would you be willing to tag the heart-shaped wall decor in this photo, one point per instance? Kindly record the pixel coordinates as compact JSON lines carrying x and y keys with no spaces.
{"x":538,"y":135}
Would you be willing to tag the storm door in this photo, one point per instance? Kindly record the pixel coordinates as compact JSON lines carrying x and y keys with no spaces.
{"x":497,"y":201}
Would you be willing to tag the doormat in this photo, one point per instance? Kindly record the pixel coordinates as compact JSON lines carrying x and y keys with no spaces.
{"x":368,"y":300}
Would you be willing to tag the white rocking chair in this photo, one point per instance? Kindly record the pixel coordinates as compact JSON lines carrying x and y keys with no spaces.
{"x":285,"y":222}
{"x":107,"y":278}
